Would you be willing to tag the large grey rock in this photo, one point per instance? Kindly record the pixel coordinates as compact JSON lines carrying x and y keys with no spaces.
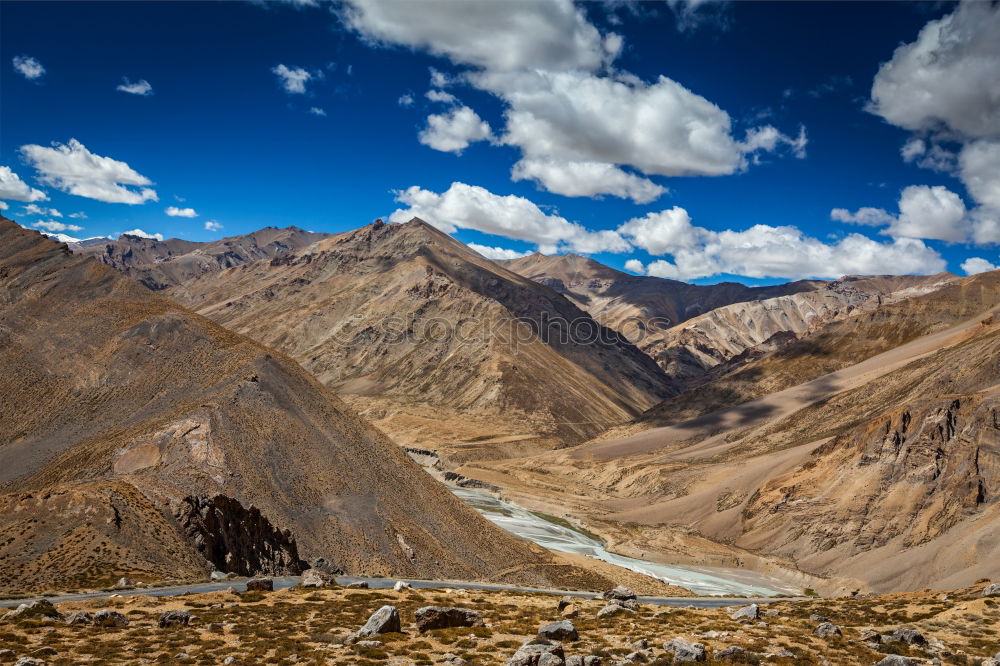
{"x":260,"y":585}
{"x":904,"y":635}
{"x":578,"y":660}
{"x":316,"y":578}
{"x":174,"y":618}
{"x":39,"y":608}
{"x":620,"y":592}
{"x":827,"y":629}
{"x":737,"y":654}
{"x":683,"y":651}
{"x":437,"y":617}
{"x":538,"y":654}
{"x":78,"y":618}
{"x":751,"y":612}
{"x":110,"y":618}
{"x":219,"y":576}
{"x":613,"y":609}
{"x":992,"y":590}
{"x":383,"y":621}
{"x":562,"y":630}
{"x":359,"y":585}
{"x":124,"y":583}
{"x":897,"y":660}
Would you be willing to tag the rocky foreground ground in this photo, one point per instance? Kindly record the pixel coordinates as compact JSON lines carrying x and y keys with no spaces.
{"x":333,"y":625}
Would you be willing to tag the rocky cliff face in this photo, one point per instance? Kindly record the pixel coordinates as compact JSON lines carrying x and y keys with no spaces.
{"x":238,"y":539}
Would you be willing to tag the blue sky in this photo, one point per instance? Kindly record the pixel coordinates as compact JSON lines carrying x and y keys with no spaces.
{"x":628,"y":126}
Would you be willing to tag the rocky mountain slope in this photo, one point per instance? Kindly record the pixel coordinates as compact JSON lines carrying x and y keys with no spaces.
{"x":134,"y":431}
{"x":441,"y":347}
{"x":161,"y":264}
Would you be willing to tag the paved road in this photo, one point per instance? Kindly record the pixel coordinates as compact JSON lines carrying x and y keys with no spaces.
{"x":385,"y":583}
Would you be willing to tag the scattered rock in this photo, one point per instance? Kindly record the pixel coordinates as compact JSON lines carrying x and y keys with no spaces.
{"x":229,"y":660}
{"x":383,"y":621}
{"x":870,"y":636}
{"x":453,"y":659}
{"x":770,"y":612}
{"x":751,"y":612}
{"x":897,"y":660}
{"x":174,"y":618}
{"x":368,"y":645}
{"x":360,"y":585}
{"x":908,"y":636}
{"x":316,"y":578}
{"x":562,"y":630}
{"x":260,"y":585}
{"x":684,"y":651}
{"x":569,"y":611}
{"x":818,"y":618}
{"x":992,"y":590}
{"x":29,"y":661}
{"x":538,"y":654}
{"x":565,"y":601}
{"x":436,"y":617}
{"x":110,"y":618}
{"x":737,"y":654}
{"x":124,"y":583}
{"x":621,"y":593}
{"x":641,"y":644}
{"x":82,"y":617}
{"x":39,"y":608}
{"x":402,"y":585}
{"x":613,"y":609}
{"x":221,"y":575}
{"x":326,"y":566}
{"x":828,"y":629}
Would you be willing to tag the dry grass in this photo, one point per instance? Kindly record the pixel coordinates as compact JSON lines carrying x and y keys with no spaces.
{"x":311,"y":627}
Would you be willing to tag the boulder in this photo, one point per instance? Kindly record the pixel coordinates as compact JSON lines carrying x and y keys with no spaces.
{"x":751,"y":612}
{"x":683,"y":651}
{"x":569,"y":611}
{"x":110,"y":618}
{"x":565,"y":601}
{"x":620,"y":592}
{"x":437,"y":617}
{"x":737,"y":654}
{"x":260,"y":585}
{"x":538,"y":654}
{"x":453,"y":659}
{"x":316,"y":578}
{"x":29,"y":661}
{"x":827,"y":629}
{"x":383,"y":621}
{"x":992,"y":590}
{"x":897,"y":660}
{"x":174,"y":618}
{"x":39,"y":608}
{"x":124,"y":583}
{"x":82,"y":617}
{"x":219,"y":576}
{"x":613,"y":609}
{"x":904,"y":635}
{"x":360,"y":585}
{"x":870,"y":636}
{"x":563,"y":630}
{"x":401,"y":585}
{"x":818,"y":618}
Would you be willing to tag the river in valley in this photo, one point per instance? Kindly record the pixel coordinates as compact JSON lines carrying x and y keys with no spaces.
{"x":702,"y":581}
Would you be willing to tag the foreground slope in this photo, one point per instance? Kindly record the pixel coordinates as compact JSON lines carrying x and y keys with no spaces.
{"x":439,"y":345}
{"x":134,"y":433}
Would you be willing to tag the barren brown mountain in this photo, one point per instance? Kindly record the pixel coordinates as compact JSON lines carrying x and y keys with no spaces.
{"x":135,"y":434}
{"x":161,"y":264}
{"x":438,"y":345}
{"x":879,"y":475}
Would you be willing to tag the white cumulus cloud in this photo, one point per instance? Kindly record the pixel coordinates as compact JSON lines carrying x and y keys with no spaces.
{"x":316,"y":111}
{"x":930,"y":212}
{"x":74,"y":169}
{"x":54,"y":225}
{"x":974,"y":265}
{"x":948,"y":78}
{"x":586,"y":179}
{"x":635,"y":266}
{"x":866,"y":215}
{"x":292,"y":79}
{"x":453,"y":131}
{"x":12,"y":187}
{"x":33,"y":209}
{"x":28,"y":67}
{"x":472,"y":207}
{"x":174,"y":211}
{"x":140,"y":87}
{"x":497,"y":252}
{"x":212,"y":225}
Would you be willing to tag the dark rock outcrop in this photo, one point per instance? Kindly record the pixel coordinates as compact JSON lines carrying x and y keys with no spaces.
{"x":436,"y":617}
{"x":237,"y":539}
